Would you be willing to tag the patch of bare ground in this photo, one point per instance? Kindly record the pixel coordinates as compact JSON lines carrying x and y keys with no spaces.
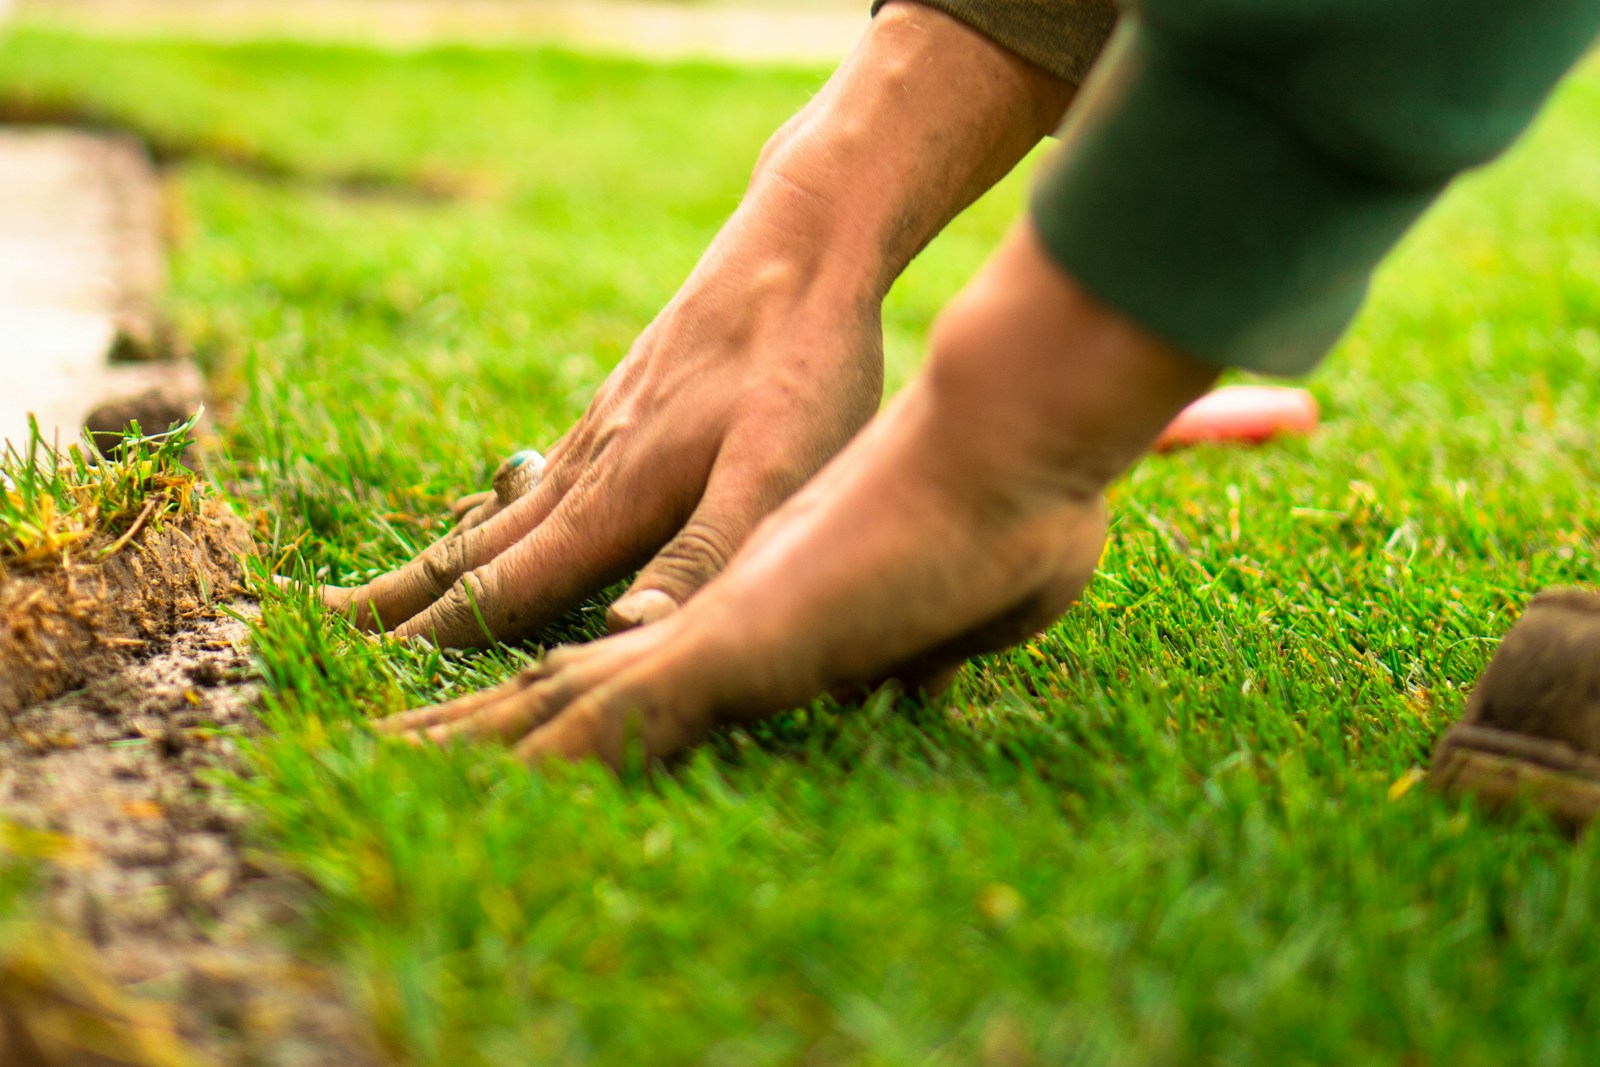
{"x":71,"y":623}
{"x":163,"y":943}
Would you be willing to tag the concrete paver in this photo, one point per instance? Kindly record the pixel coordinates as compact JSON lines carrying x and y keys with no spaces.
{"x":812,"y":33}
{"x":80,"y":267}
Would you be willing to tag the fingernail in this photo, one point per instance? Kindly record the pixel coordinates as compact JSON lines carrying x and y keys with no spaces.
{"x":642,"y":608}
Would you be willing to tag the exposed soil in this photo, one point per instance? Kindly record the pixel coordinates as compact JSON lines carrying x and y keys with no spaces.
{"x":71,"y":624}
{"x":148,"y":869}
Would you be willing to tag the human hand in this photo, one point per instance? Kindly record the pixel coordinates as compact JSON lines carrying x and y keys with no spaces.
{"x":742,"y":388}
{"x":762,"y":367}
{"x":964,"y":519}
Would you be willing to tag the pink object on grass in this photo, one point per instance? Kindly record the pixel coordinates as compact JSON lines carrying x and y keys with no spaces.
{"x":1244,"y":413}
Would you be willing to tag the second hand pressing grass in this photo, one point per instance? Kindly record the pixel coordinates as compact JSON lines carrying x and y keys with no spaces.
{"x":1178,"y":828}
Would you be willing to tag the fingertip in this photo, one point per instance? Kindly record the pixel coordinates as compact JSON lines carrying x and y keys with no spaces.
{"x":639,"y":608}
{"x":414,"y":637}
{"x":441,"y":631}
{"x":333,"y":597}
{"x":356,"y":605}
{"x":341,"y":600}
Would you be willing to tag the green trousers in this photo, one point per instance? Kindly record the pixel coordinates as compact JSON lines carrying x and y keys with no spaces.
{"x":1234,"y":170}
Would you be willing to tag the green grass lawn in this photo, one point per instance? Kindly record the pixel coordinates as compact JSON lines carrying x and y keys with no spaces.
{"x":1176,"y":829}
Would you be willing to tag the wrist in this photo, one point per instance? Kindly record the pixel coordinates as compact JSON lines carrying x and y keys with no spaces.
{"x":811,"y":228}
{"x":773,"y":277}
{"x":919,"y":121}
{"x":831,"y":234}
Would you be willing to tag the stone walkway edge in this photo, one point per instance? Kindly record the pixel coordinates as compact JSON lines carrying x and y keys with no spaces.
{"x":805,"y":33}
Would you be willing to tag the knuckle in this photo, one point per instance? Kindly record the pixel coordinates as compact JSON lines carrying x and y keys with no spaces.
{"x":474,"y":585}
{"x":698,"y":550}
{"x":463,"y":598}
{"x":441,"y":564}
{"x":616,"y":428}
{"x":455,"y":603}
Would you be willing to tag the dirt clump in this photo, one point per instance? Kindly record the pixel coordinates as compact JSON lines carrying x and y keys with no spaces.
{"x":64,"y":626}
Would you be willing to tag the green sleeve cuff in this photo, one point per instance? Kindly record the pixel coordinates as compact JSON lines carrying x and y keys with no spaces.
{"x":1188,"y":206}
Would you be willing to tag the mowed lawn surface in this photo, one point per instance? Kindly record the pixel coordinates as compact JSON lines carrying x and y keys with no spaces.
{"x":1181,"y":827}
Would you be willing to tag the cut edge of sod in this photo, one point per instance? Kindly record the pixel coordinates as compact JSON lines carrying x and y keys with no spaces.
{"x":101,"y":555}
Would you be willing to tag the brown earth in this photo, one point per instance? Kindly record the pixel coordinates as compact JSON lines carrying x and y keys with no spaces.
{"x":70,"y":624}
{"x":158,"y":940}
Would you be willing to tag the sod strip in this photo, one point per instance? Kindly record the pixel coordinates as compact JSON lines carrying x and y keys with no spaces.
{"x":125,"y":685}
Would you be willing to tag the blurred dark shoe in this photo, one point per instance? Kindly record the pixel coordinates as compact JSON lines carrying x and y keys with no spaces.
{"x":1532,"y":726}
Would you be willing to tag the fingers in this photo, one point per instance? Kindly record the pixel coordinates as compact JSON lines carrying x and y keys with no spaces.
{"x":454,"y":710}
{"x":513,"y":716}
{"x":461,"y":506}
{"x":590,"y":539}
{"x":735,"y":501}
{"x":504,"y":713}
{"x":634,"y":690}
{"x":588,"y":729}
{"x":514,"y":479}
{"x":606,"y":722}
{"x":392,"y":598}
{"x":519,"y":707}
{"x":691,"y":559}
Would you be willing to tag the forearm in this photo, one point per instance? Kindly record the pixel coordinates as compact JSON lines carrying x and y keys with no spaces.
{"x":923,"y":117}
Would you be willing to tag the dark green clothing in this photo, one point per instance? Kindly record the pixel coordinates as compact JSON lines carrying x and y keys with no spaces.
{"x":1235,"y":169}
